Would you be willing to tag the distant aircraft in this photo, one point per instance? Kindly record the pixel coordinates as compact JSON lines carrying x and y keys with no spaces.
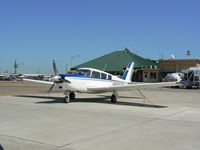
{"x":90,"y":80}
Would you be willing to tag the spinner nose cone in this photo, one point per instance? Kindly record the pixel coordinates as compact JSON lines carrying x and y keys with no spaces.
{"x":56,"y":78}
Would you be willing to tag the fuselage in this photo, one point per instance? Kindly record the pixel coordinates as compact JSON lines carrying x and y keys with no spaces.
{"x":85,"y":78}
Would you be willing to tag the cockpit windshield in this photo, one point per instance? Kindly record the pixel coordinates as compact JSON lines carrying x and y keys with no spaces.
{"x":83,"y":72}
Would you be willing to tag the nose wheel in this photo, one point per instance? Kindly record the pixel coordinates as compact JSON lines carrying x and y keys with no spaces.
{"x":69,"y":96}
{"x":72,"y":95}
{"x":67,"y":99}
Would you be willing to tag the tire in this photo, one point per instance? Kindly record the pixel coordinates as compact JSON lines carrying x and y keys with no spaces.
{"x":67,"y":99}
{"x":188,"y":87}
{"x":113,"y":99}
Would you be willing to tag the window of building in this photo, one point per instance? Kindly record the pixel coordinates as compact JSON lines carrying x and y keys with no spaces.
{"x":153,"y":75}
{"x":145,"y":74}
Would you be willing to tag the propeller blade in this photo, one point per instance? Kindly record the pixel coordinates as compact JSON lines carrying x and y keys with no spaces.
{"x":64,"y":80}
{"x":51,"y":88}
{"x":55,"y":68}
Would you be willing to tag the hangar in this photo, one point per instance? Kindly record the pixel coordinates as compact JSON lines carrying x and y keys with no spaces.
{"x":117,"y":61}
{"x":145,"y":70}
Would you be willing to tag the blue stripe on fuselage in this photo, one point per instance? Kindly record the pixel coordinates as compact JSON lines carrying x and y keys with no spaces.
{"x":80,"y":76}
{"x":74,"y":75}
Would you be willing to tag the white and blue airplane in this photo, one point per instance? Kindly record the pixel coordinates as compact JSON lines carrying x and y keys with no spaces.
{"x":90,"y":80}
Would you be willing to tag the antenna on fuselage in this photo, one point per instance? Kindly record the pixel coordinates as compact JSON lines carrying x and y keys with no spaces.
{"x":105,"y":67}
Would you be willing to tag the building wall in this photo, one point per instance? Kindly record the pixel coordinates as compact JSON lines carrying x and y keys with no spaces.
{"x":177,"y":65}
{"x":167,"y":66}
{"x":137,"y":75}
{"x":146,"y":75}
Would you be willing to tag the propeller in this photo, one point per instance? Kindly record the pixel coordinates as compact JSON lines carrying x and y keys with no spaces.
{"x":51,"y":87}
{"x":55,"y":68}
{"x":57,"y":78}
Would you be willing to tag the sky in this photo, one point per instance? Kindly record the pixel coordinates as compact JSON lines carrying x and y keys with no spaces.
{"x":34,"y":32}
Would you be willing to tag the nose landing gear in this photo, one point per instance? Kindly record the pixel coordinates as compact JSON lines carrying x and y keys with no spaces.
{"x":69,"y":96}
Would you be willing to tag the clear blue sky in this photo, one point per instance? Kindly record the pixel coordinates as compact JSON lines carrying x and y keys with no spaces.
{"x":36,"y":31}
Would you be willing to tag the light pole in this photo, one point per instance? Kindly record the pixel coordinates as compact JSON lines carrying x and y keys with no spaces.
{"x":73,"y":58}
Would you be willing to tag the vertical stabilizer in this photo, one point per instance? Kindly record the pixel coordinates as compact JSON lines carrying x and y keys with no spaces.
{"x":127,"y":76}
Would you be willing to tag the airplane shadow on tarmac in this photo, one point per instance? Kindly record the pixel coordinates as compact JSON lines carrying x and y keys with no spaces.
{"x":1,"y":148}
{"x":102,"y":100}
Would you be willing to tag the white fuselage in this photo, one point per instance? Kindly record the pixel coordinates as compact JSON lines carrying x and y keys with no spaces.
{"x":83,"y":83}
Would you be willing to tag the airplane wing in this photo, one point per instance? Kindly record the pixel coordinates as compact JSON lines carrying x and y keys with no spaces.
{"x":131,"y":86}
{"x":39,"y":81}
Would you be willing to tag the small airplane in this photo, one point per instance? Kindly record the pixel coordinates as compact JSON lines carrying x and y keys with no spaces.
{"x":90,"y":80}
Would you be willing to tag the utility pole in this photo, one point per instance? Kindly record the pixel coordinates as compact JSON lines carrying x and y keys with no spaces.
{"x":16,"y":66}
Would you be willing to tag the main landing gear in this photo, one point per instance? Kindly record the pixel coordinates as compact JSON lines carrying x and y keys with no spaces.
{"x":114,"y":97}
{"x":69,"y":96}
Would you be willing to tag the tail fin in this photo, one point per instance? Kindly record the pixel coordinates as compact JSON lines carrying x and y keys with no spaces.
{"x":127,"y":76}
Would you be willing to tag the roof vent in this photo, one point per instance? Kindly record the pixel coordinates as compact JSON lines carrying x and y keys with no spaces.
{"x":126,"y":50}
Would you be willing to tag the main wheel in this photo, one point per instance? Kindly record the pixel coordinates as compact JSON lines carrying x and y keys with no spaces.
{"x":113,"y":99}
{"x":67,"y":99}
{"x":72,"y":95}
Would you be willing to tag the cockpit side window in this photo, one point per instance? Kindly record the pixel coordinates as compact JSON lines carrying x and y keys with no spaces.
{"x":103,"y":76}
{"x":109,"y":77}
{"x":95,"y":74}
{"x":83,"y":72}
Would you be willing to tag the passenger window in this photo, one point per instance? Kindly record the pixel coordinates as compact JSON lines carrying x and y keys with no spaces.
{"x":103,"y":76}
{"x":109,"y":77}
{"x":83,"y":72}
{"x":95,"y":74}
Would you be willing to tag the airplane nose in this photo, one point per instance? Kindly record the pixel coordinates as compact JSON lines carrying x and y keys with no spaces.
{"x":59,"y":79}
{"x":56,"y":78}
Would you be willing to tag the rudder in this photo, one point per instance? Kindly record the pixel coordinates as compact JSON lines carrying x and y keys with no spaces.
{"x":127,"y":76}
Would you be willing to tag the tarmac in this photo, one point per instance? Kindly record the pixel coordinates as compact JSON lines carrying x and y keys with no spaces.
{"x":30,"y":118}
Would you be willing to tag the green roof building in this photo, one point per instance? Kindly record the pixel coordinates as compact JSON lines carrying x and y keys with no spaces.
{"x":116,"y":61}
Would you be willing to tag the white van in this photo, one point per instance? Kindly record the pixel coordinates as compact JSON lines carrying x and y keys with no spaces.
{"x":170,"y":77}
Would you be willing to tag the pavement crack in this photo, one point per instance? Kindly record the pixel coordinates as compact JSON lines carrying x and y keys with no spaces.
{"x":24,"y":139}
{"x":110,"y":132}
